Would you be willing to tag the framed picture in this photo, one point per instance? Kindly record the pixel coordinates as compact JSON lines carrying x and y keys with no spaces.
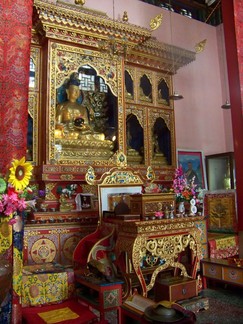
{"x":220,"y":209}
{"x":110,"y":195}
{"x":84,"y":201}
{"x":193,"y":166}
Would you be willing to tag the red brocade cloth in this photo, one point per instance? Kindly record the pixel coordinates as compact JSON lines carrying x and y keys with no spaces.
{"x":30,"y":315}
{"x":223,"y":246}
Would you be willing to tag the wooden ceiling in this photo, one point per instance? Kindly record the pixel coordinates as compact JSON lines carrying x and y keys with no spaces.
{"x":208,"y":11}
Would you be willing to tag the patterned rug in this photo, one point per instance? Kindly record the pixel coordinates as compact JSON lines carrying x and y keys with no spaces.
{"x":225,"y":306}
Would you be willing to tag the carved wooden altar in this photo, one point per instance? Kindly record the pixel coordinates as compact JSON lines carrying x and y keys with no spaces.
{"x":69,"y":38}
{"x":155,"y":245}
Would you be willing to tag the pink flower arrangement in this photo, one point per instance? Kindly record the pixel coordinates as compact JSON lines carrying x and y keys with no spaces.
{"x":184,"y":191}
{"x":159,"y":214}
{"x":11,"y":201}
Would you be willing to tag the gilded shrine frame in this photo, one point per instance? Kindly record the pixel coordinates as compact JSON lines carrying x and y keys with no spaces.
{"x":64,"y":60}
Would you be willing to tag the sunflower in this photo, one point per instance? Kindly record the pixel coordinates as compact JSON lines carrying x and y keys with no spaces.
{"x":20,"y":174}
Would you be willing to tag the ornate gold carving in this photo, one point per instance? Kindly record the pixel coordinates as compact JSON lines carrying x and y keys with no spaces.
{"x":90,"y":189}
{"x":122,"y":177}
{"x":153,"y":248}
{"x":84,"y":22}
{"x":156,"y":22}
{"x":48,"y":189}
{"x":150,"y":174}
{"x":199,"y":47}
{"x":81,"y":2}
{"x":66,"y":177}
{"x":81,"y":151}
{"x":90,"y":176}
{"x":119,"y":159}
{"x":33,"y":103}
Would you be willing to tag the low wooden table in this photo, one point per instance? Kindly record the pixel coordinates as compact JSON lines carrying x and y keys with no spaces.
{"x":224,"y":270}
{"x":103,"y":296}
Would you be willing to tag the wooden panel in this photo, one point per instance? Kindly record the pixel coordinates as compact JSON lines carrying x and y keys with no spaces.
{"x":233,"y":275}
{"x":148,"y":204}
{"x":53,"y":242}
{"x":212,"y":271}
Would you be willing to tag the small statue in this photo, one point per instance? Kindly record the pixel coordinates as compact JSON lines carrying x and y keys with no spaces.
{"x":125,"y":16}
{"x":65,"y":204}
{"x":156,"y":144}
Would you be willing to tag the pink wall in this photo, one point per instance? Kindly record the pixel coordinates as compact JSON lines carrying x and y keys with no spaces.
{"x":201,"y":124}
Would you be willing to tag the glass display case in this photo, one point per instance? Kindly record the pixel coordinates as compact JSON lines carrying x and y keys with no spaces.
{"x":220,"y":171}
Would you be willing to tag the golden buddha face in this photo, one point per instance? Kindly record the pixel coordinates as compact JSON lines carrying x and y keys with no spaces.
{"x":73,"y":92}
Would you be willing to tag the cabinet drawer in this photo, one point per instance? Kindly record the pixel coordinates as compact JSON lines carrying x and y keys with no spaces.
{"x":233,"y":275}
{"x":212,"y":271}
{"x":175,"y":288}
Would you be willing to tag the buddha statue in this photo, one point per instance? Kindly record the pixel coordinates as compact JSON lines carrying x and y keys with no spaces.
{"x":74,"y":129}
{"x":72,"y":118}
{"x":158,"y":155}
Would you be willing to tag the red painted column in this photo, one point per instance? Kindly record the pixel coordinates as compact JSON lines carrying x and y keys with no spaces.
{"x":232,"y":11}
{"x":15,"y":29}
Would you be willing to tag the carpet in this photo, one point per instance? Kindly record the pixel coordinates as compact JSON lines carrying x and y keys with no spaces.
{"x":68,"y":308}
{"x":225,"y":306}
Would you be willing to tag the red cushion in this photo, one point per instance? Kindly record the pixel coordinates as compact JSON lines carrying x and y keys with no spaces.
{"x":30,"y":314}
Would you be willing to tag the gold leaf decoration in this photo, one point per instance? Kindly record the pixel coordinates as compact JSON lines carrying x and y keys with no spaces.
{"x":199,"y":47}
{"x":156,"y":22}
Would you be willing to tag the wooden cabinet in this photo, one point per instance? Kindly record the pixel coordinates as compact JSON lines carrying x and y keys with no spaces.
{"x":148,"y":204}
{"x":225,"y":270}
{"x":127,"y":85}
{"x":45,"y":243}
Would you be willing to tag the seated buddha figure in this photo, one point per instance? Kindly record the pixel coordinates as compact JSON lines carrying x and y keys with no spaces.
{"x":73,"y":128}
{"x":72,"y":118}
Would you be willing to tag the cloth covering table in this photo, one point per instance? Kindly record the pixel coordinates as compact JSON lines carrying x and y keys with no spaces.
{"x":222,"y":245}
{"x":46,"y":284}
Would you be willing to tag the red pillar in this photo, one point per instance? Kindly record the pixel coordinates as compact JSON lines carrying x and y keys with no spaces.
{"x":15,"y":29}
{"x":232,"y":11}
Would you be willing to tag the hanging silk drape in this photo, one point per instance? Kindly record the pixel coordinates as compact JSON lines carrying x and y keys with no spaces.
{"x":15,"y":36}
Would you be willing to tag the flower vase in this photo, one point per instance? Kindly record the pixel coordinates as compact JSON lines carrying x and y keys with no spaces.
{"x":181,"y":207}
{"x":193,"y":208}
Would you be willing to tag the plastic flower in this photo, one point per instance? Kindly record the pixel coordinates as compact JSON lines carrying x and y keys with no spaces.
{"x":20,"y":174}
{"x":159,"y":214}
{"x":184,"y":191}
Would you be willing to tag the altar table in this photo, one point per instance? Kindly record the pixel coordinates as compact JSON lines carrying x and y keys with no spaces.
{"x":154,"y":245}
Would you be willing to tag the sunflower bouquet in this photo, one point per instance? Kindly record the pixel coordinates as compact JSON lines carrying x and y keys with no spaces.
{"x":13,"y":187}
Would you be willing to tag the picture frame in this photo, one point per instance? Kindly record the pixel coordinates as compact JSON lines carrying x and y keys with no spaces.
{"x":105,"y":193}
{"x":221,"y":210}
{"x":193,"y":165}
{"x":84,"y":201}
